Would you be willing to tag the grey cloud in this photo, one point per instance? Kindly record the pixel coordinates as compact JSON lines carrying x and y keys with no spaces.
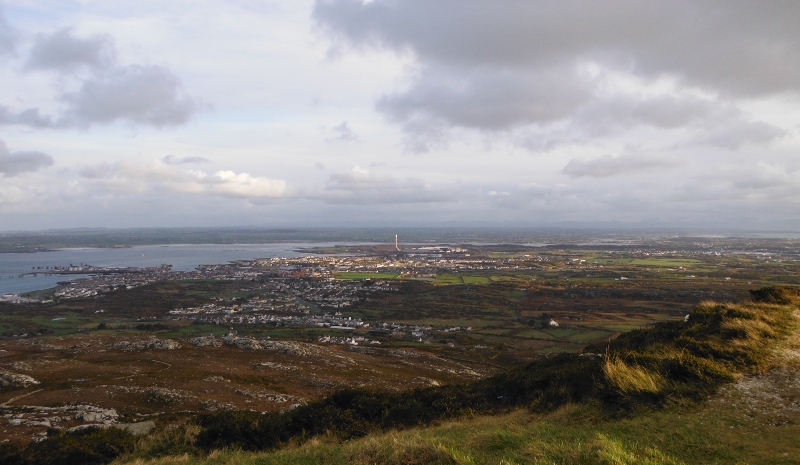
{"x":610,"y":165}
{"x":714,"y":123}
{"x":30,"y":117}
{"x":8,"y":36}
{"x":343,"y":133}
{"x":141,"y":94}
{"x":488,"y":99}
{"x":64,"y":52}
{"x":150,"y":95}
{"x":14,"y":163}
{"x":173,"y":160}
{"x":551,"y":201}
{"x":524,"y":64}
{"x":737,"y":46}
{"x":620,"y":112}
{"x":739,"y":133}
{"x":359,"y":186}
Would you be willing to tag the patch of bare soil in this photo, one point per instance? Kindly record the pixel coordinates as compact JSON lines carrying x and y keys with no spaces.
{"x":771,"y":398}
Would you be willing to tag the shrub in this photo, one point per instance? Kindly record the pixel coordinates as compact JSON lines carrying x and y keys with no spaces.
{"x":92,"y":446}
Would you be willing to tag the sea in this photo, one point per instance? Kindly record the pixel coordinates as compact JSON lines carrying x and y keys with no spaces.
{"x":15,"y":268}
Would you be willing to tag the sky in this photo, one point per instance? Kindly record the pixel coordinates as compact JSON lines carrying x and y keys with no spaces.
{"x":340,"y":113}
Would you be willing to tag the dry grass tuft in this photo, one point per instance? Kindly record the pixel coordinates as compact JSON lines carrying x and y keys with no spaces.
{"x":632,"y":378}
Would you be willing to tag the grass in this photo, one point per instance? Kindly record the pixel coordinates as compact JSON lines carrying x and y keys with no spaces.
{"x":446,"y":279}
{"x":573,"y":434}
{"x":632,"y":378}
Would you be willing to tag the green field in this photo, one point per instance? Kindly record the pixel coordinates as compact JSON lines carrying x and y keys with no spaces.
{"x":663,"y":262}
{"x":357,"y":275}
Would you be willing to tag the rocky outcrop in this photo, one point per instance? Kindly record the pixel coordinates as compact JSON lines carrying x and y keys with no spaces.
{"x":205,"y":341}
{"x":16,"y":380}
{"x":245,"y":343}
{"x":270,"y":397}
{"x":137,"y":429}
{"x":153,"y":344}
{"x":53,"y":417}
{"x":284,"y":347}
{"x":155,"y":394}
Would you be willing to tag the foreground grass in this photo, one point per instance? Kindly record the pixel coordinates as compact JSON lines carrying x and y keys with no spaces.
{"x":713,"y":433}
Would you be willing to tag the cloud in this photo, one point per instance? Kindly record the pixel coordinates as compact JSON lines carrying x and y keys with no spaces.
{"x":154,"y":176}
{"x":536,"y":63}
{"x":173,"y":160}
{"x":137,"y":93}
{"x":232,"y":184}
{"x":14,"y":163}
{"x":488,"y":99}
{"x":708,"y":44}
{"x":741,"y":132}
{"x":614,"y":165}
{"x":709,"y":121}
{"x":149,"y":95}
{"x":62,"y":51}
{"x":8,"y":36}
{"x":360,"y":186}
{"x":343,"y":133}
{"x":30,"y":118}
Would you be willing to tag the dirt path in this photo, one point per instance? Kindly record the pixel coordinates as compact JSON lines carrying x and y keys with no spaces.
{"x":168,"y":366}
{"x":4,"y":404}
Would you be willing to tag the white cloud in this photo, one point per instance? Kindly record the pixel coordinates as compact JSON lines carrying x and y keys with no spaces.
{"x":244,"y":185}
{"x":152,"y":176}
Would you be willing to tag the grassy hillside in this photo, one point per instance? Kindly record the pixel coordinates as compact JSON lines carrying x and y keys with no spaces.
{"x":633,"y":400}
{"x":716,"y":432}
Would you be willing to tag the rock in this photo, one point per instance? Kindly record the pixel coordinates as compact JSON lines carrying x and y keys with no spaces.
{"x":205,"y":341}
{"x":137,"y":429}
{"x":154,"y":344}
{"x":284,"y":347}
{"x":83,"y":427}
{"x":167,"y":395}
{"x":46,"y":424}
{"x":16,"y":380}
{"x":430,"y":381}
{"x":246,"y":343}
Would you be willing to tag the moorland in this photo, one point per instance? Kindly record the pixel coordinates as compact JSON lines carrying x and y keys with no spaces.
{"x":455,"y":331}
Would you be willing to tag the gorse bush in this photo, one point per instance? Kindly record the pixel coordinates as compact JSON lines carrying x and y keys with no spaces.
{"x":92,"y":446}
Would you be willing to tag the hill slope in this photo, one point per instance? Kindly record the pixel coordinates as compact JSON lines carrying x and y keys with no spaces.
{"x":634,"y":400}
